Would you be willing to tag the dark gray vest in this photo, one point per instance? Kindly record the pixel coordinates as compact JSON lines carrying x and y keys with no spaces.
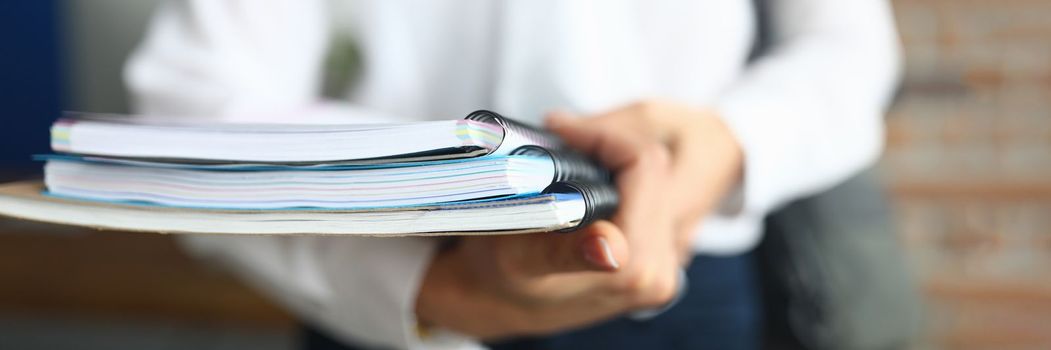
{"x":833,"y":271}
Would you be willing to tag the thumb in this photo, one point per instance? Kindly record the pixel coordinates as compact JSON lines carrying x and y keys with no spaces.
{"x":607,"y":139}
{"x":600,"y":246}
{"x":573,"y":131}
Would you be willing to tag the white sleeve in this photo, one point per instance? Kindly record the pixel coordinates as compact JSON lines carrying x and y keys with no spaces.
{"x":250,"y":59}
{"x":809,"y":113}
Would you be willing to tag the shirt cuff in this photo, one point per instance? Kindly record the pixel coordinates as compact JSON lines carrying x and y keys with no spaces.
{"x":766,"y":136}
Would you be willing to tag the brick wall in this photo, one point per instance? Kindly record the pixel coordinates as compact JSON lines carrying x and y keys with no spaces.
{"x":969,"y":163}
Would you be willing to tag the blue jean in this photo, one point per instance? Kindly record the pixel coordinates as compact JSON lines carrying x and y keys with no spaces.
{"x":722,"y":310}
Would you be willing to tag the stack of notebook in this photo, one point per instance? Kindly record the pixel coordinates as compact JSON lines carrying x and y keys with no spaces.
{"x":477,"y":175}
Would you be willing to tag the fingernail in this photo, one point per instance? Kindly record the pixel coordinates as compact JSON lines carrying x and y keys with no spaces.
{"x":600,"y":254}
{"x":608,"y":253}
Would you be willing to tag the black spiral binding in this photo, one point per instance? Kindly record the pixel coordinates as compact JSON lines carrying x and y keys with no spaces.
{"x":574,"y":173}
{"x":569,"y":165}
{"x":533,"y":134}
{"x":600,"y":199}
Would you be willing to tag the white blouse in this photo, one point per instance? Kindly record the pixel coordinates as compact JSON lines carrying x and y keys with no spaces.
{"x":808,"y":113}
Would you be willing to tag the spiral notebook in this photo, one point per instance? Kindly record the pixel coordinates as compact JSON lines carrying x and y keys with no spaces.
{"x":561,"y":207}
{"x":317,"y":186}
{"x":480,"y":133}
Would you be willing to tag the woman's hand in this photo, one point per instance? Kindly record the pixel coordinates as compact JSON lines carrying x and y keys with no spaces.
{"x":705,"y":160}
{"x":672,"y":164}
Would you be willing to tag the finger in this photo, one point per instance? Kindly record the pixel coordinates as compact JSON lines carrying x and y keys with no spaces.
{"x":642,"y":188}
{"x":600,"y":246}
{"x":607,"y":138}
{"x":642,"y":164}
{"x":604,"y":245}
{"x":684,"y":241}
{"x":617,"y":138}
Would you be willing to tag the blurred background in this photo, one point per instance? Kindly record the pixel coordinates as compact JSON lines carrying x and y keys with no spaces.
{"x":967,"y":167}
